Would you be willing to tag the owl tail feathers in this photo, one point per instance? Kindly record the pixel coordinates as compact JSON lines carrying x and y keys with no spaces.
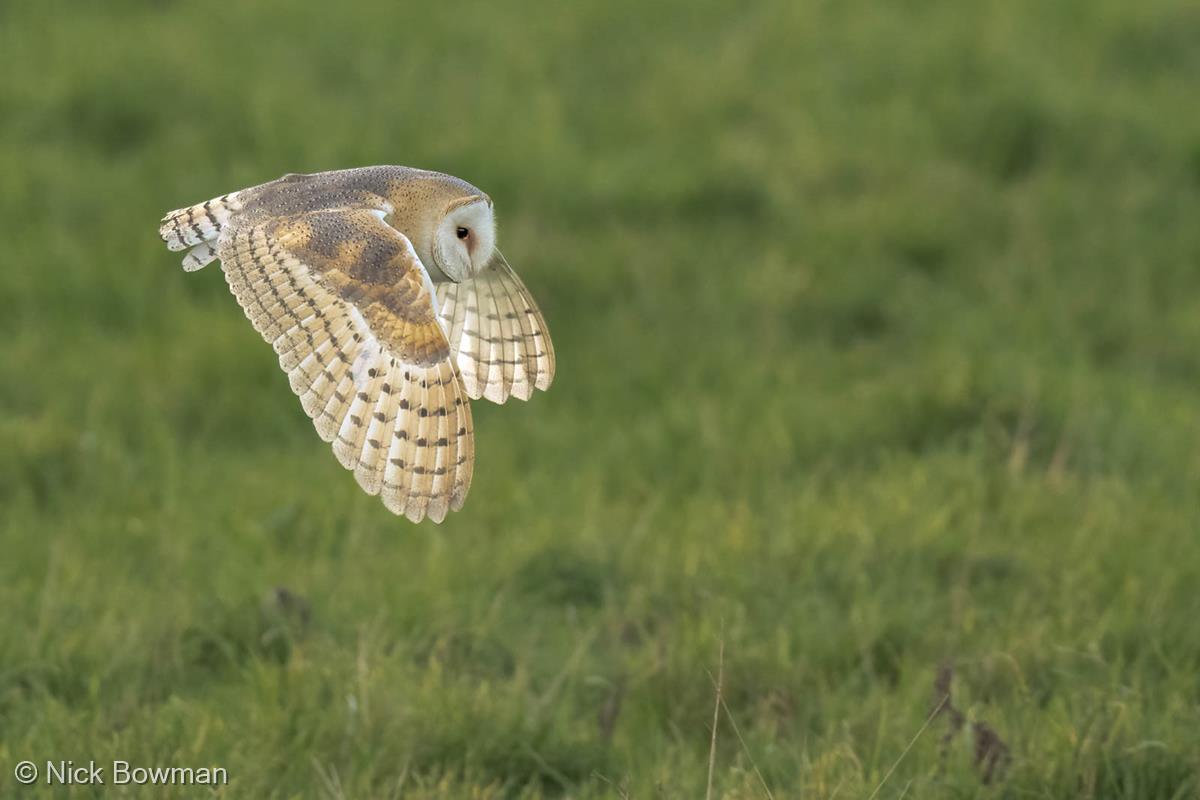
{"x":197,"y":228}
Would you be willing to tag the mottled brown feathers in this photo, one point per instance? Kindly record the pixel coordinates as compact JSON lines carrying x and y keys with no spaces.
{"x":374,"y":268}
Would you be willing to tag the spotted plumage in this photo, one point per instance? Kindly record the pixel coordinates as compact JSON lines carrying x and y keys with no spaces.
{"x":389,"y":306}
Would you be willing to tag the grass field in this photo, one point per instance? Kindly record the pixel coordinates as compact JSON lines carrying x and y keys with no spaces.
{"x":878,"y":330}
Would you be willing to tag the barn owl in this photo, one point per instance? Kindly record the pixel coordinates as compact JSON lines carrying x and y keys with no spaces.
{"x":389,"y":306}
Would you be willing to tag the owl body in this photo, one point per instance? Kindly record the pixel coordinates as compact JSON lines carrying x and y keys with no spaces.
{"x":415,"y":199}
{"x":383,"y":293}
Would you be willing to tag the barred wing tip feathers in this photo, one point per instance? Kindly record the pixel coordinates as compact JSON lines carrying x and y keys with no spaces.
{"x":197,"y":228}
{"x":498,"y":334}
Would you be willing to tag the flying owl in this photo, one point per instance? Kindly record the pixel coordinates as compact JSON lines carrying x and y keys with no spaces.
{"x":389,"y":305}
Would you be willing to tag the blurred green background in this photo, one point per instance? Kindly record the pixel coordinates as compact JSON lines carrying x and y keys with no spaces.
{"x":878,"y":333}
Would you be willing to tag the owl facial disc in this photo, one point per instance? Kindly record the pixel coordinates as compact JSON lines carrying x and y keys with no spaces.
{"x":465,"y":238}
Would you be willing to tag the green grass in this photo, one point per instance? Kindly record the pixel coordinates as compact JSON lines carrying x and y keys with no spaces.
{"x":879,"y":348}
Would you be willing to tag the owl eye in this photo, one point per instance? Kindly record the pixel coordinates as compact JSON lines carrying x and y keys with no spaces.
{"x":463,"y":233}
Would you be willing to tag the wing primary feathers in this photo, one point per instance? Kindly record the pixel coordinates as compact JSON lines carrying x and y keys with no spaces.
{"x":492,"y":332}
{"x":439,"y":500}
{"x":497,"y":333}
{"x":369,"y":472}
{"x":198,"y":256}
{"x":329,"y":421}
{"x":196,"y":225}
{"x":397,"y":476}
{"x":518,"y":334}
{"x":473,"y":365}
{"x":539,"y":345}
{"x":351,"y":436}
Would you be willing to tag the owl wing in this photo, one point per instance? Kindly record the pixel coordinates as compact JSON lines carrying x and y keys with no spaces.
{"x":348,"y":307}
{"x":497,"y":334}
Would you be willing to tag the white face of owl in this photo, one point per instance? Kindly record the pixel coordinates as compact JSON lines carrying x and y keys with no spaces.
{"x":465,"y":238}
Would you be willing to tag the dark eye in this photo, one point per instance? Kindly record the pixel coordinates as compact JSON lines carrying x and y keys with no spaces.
{"x":463,"y":233}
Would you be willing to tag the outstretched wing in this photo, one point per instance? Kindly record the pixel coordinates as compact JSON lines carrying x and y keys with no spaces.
{"x":497,"y":333}
{"x":348,"y":307}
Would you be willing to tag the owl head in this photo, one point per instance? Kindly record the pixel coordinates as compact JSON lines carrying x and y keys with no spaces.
{"x":465,"y":237}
